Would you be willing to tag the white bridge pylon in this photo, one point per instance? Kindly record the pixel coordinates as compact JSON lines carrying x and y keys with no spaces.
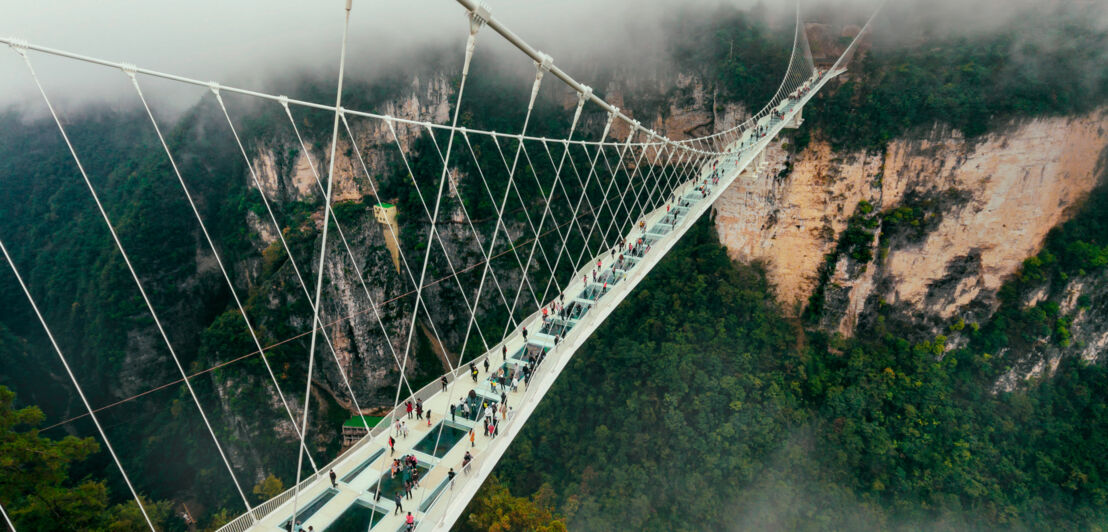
{"x":665,"y":187}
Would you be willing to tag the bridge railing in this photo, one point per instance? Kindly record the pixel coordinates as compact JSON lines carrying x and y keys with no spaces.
{"x":437,"y":507}
{"x":482,"y":464}
{"x":246,"y":520}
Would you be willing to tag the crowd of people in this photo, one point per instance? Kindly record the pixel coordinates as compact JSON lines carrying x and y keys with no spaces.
{"x":408,"y":469}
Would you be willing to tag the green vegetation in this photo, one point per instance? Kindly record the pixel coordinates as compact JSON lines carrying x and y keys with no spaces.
{"x":856,"y":242}
{"x":908,"y":222}
{"x":698,"y":381}
{"x":1077,"y":249}
{"x":39,"y":490}
{"x":917,"y":215}
{"x":268,"y":488}
{"x":698,"y":406}
{"x":736,"y":50}
{"x":1050,"y":62}
{"x":497,"y":510}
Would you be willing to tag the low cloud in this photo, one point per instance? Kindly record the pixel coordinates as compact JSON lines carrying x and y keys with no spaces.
{"x":252,"y":43}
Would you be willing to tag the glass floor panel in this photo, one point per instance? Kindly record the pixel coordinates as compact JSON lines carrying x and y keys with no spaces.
{"x":626,"y":264}
{"x":390,"y":485}
{"x":450,"y":436}
{"x":477,"y":405}
{"x":505,"y":378}
{"x":307,"y":511}
{"x":423,"y":506}
{"x":357,"y":518}
{"x":358,"y":470}
{"x":610,"y":277}
{"x":556,"y":327}
{"x":592,"y":293}
{"x":532,"y":349}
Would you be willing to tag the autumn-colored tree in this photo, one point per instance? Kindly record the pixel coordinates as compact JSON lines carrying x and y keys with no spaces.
{"x":495,"y":509}
{"x":269,"y":488}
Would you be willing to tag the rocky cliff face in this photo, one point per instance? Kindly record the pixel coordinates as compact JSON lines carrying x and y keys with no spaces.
{"x":424,"y":101}
{"x":360,"y":348}
{"x":358,"y":335}
{"x":1084,"y":300}
{"x":981,"y":208}
{"x":685,"y":107}
{"x":986,"y":206}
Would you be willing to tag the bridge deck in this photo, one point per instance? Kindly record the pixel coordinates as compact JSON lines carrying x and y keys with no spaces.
{"x":352,"y":502}
{"x":363,"y":468}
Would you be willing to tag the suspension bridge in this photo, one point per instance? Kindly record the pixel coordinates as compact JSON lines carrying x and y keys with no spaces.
{"x":652,"y":188}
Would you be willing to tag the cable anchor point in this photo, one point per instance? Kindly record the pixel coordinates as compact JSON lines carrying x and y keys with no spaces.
{"x":479,"y":17}
{"x":585,"y":94}
{"x":19,"y":45}
{"x":544,"y":62}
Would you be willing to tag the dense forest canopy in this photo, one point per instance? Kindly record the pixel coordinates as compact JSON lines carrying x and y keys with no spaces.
{"x":699,"y":406}
{"x":1048,"y":61}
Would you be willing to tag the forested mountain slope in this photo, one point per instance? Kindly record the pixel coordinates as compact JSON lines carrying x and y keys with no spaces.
{"x":701,"y":407}
{"x":726,"y":394}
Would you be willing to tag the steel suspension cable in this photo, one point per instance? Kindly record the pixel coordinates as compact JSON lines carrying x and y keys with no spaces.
{"x":215,"y":252}
{"x":500,"y":218}
{"x":134,"y":276}
{"x":623,"y":195}
{"x":613,"y":173}
{"x":513,"y":186}
{"x":580,"y":230}
{"x":322,"y":253}
{"x":357,"y":271}
{"x":275,"y":344}
{"x":475,"y":24}
{"x":77,"y":386}
{"x":497,"y":227}
{"x":396,"y":237}
{"x":6,"y":518}
{"x":577,"y":207}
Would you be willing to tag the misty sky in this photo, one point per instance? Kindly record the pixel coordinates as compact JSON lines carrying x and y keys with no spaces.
{"x":246,"y":42}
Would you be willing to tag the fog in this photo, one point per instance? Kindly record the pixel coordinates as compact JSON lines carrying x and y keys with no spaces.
{"x":249,"y":43}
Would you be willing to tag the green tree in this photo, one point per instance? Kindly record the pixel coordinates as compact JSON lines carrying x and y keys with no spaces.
{"x":35,"y":483}
{"x":269,"y":488}
{"x":495,"y":509}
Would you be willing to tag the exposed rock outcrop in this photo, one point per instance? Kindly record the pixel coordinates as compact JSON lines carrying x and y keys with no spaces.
{"x":995,"y":197}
